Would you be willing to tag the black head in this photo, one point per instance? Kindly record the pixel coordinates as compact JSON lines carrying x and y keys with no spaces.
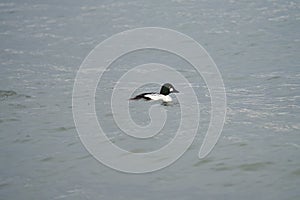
{"x":167,"y":89}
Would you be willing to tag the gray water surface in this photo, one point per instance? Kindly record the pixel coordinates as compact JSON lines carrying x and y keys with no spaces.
{"x":255,"y":45}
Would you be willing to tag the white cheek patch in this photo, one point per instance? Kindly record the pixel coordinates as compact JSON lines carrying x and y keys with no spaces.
{"x":171,"y":89}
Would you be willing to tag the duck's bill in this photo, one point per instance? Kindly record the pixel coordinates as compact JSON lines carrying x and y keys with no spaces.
{"x":175,"y":91}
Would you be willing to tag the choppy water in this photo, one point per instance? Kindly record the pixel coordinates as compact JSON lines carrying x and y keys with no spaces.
{"x":256,"y":47}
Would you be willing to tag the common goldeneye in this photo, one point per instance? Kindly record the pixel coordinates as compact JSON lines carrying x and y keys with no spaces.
{"x":163,"y":95}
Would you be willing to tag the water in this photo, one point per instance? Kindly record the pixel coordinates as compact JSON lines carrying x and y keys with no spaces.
{"x":256,"y":47}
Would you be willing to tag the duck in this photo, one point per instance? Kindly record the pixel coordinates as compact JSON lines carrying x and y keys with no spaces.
{"x":163,"y":95}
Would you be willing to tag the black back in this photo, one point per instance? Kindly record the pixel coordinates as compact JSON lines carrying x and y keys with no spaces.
{"x":142,"y":96}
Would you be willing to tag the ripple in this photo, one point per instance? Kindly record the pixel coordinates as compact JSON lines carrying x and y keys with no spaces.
{"x":273,"y":77}
{"x":277,"y":127}
{"x":202,"y":162}
{"x":48,"y":158}
{"x":62,"y":129}
{"x":23,"y":140}
{"x":7,"y":93}
{"x":296,"y":172}
{"x":84,"y":157}
{"x":254,"y":166}
{"x":9,"y":120}
{"x":4,"y":184}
